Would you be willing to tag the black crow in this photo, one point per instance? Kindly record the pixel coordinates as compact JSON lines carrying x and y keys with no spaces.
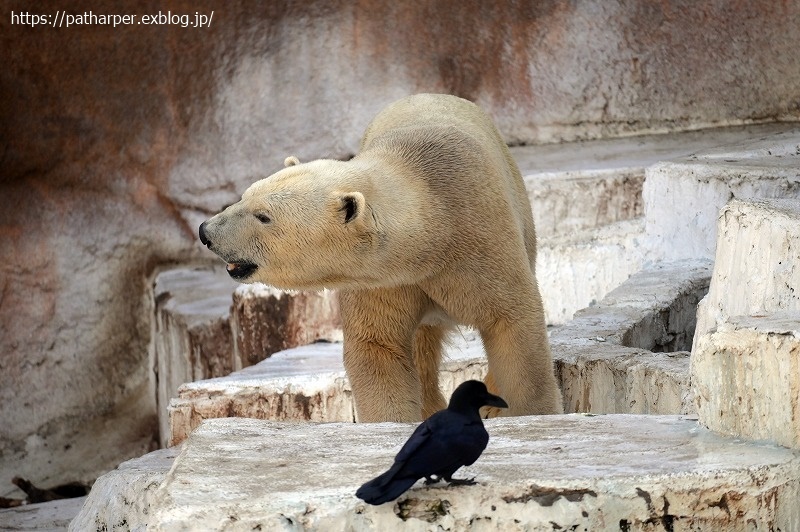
{"x":447,"y":440}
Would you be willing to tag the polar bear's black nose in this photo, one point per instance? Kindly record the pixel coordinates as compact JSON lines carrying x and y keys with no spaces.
{"x":203,"y":238}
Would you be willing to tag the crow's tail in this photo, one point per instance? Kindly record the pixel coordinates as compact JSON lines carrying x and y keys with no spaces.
{"x":385,"y":487}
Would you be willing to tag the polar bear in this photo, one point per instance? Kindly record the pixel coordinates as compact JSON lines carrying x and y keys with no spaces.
{"x":427,"y":227}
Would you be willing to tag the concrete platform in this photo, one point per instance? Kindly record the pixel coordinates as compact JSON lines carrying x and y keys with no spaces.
{"x":568,"y":472}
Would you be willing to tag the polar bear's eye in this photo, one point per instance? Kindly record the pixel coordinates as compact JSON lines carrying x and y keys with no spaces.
{"x":263,"y":218}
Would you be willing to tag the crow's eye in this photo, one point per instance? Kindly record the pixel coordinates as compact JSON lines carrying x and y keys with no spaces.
{"x":263,"y":218}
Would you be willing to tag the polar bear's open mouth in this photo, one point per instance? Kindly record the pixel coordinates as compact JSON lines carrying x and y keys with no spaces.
{"x":240,"y":270}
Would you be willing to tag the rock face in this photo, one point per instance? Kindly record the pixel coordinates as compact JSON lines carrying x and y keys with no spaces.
{"x":537,"y":473}
{"x":117,"y":142}
{"x":266,"y":320}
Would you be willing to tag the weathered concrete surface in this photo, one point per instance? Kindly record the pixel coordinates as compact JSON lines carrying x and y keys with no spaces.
{"x":628,"y":353}
{"x":117,"y":142}
{"x":133,"y":484}
{"x":207,"y":326}
{"x":192,"y":338}
{"x":52,"y":516}
{"x":589,"y":210}
{"x":603,"y":360}
{"x":698,"y":186}
{"x":306,"y":383}
{"x":746,"y":350}
{"x":746,"y":378}
{"x":577,"y":270}
{"x":537,"y":473}
{"x":266,"y":320}
{"x":756,"y":270}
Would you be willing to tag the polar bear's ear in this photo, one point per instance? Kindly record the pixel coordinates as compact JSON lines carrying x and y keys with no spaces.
{"x":352,"y":205}
{"x":291,"y":161}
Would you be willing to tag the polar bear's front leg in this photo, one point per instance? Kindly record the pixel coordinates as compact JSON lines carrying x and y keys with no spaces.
{"x":379,"y":326}
{"x":384,"y":382}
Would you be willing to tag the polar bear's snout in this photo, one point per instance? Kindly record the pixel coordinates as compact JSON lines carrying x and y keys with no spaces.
{"x":203,"y":238}
{"x":237,"y":269}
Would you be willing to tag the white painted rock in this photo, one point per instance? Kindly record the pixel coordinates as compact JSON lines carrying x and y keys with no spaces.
{"x":538,"y":473}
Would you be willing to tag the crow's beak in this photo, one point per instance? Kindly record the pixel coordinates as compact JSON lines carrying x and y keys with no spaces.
{"x":494,"y":400}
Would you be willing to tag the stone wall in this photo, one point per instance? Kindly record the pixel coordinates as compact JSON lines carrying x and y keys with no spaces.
{"x":117,"y":142}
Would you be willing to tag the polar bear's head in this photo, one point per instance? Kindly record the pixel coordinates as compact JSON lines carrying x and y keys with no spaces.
{"x":306,"y":227}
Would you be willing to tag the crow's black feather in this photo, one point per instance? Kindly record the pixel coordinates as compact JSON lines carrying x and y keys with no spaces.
{"x":447,"y":440}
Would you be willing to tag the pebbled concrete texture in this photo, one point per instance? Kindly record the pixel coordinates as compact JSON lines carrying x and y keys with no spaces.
{"x":538,"y":473}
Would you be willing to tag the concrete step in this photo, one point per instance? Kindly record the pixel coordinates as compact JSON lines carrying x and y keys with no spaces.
{"x":207,"y":326}
{"x":698,"y":186}
{"x":629,"y":353}
{"x":568,"y":472}
{"x":583,"y":194}
{"x":758,"y":243}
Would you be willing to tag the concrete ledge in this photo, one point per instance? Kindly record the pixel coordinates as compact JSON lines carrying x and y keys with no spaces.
{"x":302,"y":384}
{"x":746,"y":377}
{"x":538,"y":473}
{"x":628,"y":354}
